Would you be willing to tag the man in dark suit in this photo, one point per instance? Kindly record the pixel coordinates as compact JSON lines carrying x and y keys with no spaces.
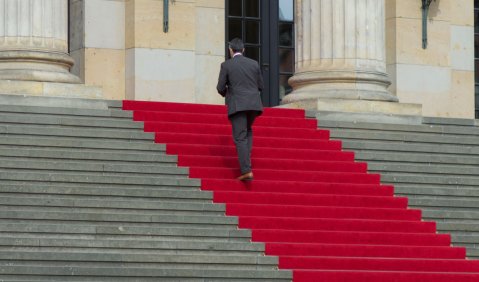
{"x":240,"y":82}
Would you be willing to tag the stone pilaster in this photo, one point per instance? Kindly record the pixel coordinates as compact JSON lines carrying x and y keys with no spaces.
{"x":34,"y":41}
{"x":340,"y":52}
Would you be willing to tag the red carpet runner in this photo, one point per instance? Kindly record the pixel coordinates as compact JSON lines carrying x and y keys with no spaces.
{"x":312,"y":205}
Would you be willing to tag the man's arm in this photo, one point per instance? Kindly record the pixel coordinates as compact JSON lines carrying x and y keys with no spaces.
{"x":260,"y":79}
{"x":222,"y":87}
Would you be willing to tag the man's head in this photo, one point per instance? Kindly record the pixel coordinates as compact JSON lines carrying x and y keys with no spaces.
{"x":236,"y":46}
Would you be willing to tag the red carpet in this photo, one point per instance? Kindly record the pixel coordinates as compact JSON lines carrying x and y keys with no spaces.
{"x":312,"y":205}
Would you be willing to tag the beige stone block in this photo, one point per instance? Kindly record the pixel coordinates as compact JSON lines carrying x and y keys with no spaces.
{"x":409,"y":43}
{"x":148,"y":25}
{"x":72,"y":90}
{"x":207,"y":71}
{"x":462,"y":12}
{"x":129,"y":24}
{"x":439,"y":10}
{"x":106,"y":68}
{"x":220,"y":4}
{"x":462,"y":48}
{"x":35,"y":88}
{"x":166,"y":91}
{"x":105,"y":24}
{"x":442,"y":92}
{"x":462,"y":95}
{"x":210,"y":31}
{"x":358,"y":106}
{"x":17,"y":87}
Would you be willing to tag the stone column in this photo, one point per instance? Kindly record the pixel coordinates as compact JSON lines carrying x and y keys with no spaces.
{"x":340,"y":52}
{"x":34,"y":41}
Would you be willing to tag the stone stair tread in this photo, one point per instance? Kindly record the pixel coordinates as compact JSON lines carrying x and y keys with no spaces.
{"x":66,"y":111}
{"x":406,"y":128}
{"x":115,"y":245}
{"x":403,"y":167}
{"x":131,"y":272}
{"x":143,"y":218}
{"x":396,"y":177}
{"x":113,"y":192}
{"x":38,"y":254}
{"x":99,"y":178}
{"x":78,"y":142}
{"x":410,"y":148}
{"x":105,"y":203}
{"x":406,"y":137}
{"x":79,"y":189}
{"x":89,"y":166}
{"x":469,"y":193}
{"x":72,"y":131}
{"x":111,"y":156}
{"x":173,"y":232}
{"x":67,"y":120}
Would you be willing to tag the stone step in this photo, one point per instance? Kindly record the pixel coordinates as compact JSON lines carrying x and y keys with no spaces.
{"x":101,"y":259}
{"x":119,"y":231}
{"x":450,"y":170}
{"x":92,"y":189}
{"x":104,"y":178}
{"x":112,"y":156}
{"x":412,"y":151}
{"x":441,"y":129}
{"x":83,"y":143}
{"x":106,"y":274}
{"x":449,"y":121}
{"x":58,"y":102}
{"x":396,"y":178}
{"x":77,"y":132}
{"x":473,"y":253}
{"x":436,"y":191}
{"x":86,"y":242}
{"x":67,"y":120}
{"x":81,"y":166}
{"x":445,"y":214}
{"x":405,"y":137}
{"x":422,"y":201}
{"x":64,"y":111}
{"x":143,"y":219}
{"x":455,"y":227}
{"x":103,"y":203}
{"x":472,"y":238}
{"x":112,"y":192}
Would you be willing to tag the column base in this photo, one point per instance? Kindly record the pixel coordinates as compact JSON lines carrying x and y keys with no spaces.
{"x":361,"y":110}
{"x":36,"y":66}
{"x":51,"y":89}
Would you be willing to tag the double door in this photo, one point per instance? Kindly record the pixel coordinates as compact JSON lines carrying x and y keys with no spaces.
{"x":267,"y":29}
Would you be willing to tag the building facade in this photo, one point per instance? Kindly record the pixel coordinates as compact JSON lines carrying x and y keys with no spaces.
{"x":347,"y":56}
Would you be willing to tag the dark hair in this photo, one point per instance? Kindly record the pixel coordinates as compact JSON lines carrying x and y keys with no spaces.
{"x":236,"y":44}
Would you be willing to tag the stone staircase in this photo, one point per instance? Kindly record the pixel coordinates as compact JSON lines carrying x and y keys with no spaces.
{"x":435,"y":164}
{"x":85,"y":195}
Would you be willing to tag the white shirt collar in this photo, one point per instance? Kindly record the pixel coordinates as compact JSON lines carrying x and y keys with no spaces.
{"x":237,"y":54}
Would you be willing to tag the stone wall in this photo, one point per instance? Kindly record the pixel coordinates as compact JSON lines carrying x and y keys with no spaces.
{"x":120,"y":45}
{"x":441,"y":77}
{"x":97,"y":43}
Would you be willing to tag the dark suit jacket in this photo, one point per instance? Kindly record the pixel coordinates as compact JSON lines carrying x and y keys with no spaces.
{"x":239,"y":82}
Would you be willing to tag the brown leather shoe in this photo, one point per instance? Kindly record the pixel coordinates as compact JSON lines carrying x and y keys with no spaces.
{"x":246,"y":177}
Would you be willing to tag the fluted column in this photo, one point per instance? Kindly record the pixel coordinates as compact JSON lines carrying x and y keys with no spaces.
{"x":34,"y":41}
{"x":340,"y":51}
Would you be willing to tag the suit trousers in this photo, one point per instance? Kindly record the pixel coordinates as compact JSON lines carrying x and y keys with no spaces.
{"x":241,"y":123}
